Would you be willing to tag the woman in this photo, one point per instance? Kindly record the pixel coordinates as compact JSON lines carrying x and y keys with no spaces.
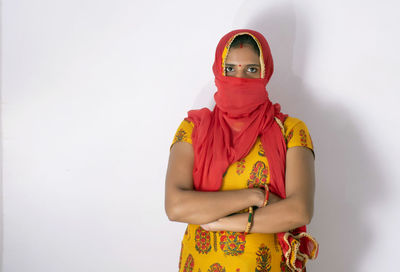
{"x":242,"y":175}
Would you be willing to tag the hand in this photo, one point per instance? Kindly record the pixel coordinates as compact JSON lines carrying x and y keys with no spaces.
{"x":259,"y":196}
{"x":212,"y":226}
{"x":235,"y":223}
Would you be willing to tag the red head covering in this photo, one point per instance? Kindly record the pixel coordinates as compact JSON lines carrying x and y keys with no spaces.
{"x":242,"y":113}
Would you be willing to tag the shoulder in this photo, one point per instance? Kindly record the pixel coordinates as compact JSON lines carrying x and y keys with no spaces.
{"x":184,"y":132}
{"x":297,"y":133}
{"x":291,"y":122}
{"x":199,"y":118}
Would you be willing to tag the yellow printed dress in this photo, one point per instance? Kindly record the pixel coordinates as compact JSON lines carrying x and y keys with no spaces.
{"x":226,"y":251}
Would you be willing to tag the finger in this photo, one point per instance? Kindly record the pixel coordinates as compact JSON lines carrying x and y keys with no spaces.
{"x":205,"y":227}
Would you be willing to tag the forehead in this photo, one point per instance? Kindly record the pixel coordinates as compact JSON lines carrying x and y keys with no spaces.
{"x":245,"y":54}
{"x":227,"y":49}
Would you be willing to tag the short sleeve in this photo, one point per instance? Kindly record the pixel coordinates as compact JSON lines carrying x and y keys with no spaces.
{"x":183,"y":133}
{"x":297,"y":134}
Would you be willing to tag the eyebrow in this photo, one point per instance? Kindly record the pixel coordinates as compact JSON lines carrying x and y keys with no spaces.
{"x":246,"y":64}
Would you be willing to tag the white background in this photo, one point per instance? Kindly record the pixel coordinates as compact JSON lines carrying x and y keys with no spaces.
{"x":93,"y":91}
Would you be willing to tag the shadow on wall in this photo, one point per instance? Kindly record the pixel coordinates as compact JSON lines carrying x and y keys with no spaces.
{"x":346,"y":172}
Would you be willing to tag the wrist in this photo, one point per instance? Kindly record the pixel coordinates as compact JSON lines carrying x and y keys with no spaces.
{"x":249,"y":221}
{"x":237,"y":222}
{"x":257,"y":198}
{"x":266,"y":199}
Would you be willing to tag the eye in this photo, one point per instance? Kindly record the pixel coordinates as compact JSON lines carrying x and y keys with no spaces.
{"x":229,"y":69}
{"x":252,"y":69}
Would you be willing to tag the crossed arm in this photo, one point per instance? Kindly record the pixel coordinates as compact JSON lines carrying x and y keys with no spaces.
{"x":211,"y":209}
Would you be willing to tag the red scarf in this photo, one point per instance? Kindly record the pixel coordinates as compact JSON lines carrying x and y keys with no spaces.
{"x":243,"y":112}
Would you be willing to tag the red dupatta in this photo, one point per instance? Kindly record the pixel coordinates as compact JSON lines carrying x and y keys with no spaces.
{"x":242,"y":113}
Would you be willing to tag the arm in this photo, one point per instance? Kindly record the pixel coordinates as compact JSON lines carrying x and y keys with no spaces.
{"x":294,"y":211}
{"x":184,"y":204}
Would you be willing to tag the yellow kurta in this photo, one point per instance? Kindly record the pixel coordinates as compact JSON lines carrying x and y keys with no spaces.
{"x":210,"y":251}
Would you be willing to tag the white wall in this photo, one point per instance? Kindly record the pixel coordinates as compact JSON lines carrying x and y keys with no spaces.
{"x":93,"y":91}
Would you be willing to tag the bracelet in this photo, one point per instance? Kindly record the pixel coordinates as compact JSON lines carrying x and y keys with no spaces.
{"x":266,"y":197}
{"x":249,"y":220}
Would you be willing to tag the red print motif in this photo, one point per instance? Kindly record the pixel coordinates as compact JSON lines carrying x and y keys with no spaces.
{"x":202,"y":240}
{"x":261,"y":151}
{"x":240,"y":166}
{"x":189,"y":264}
{"x":232,"y":243}
{"x":258,"y":175}
{"x":180,"y":256}
{"x":180,"y":136}
{"x":263,"y":259}
{"x":290,"y":135}
{"x":303,"y":138}
{"x":215,"y":241}
{"x":216,"y":267}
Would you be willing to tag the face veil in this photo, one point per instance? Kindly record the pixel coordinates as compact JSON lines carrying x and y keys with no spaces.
{"x":242,"y":113}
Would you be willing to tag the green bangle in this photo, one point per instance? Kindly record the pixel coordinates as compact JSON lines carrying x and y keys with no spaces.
{"x":249,"y":220}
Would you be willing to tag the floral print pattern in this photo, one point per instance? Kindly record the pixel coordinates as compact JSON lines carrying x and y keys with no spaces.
{"x":263,"y":259}
{"x":232,"y":243}
{"x":180,"y":256}
{"x":258,"y":176}
{"x":215,"y":241}
{"x":261,"y":151}
{"x":189,"y":264}
{"x":290,"y":135}
{"x":216,"y":267}
{"x":180,"y":136}
{"x":303,"y":137}
{"x":202,"y":241}
{"x":240,"y":166}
